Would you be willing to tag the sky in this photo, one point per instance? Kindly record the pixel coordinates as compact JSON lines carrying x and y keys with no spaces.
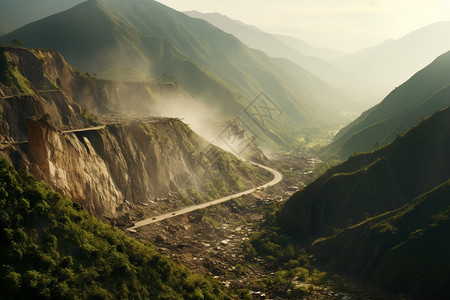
{"x":345,"y":25}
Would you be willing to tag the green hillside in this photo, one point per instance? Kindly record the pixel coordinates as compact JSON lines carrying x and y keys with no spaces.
{"x":373,"y":183}
{"x":151,"y":41}
{"x":51,"y":249}
{"x":405,"y":251}
{"x":274,"y":47}
{"x":423,"y":94}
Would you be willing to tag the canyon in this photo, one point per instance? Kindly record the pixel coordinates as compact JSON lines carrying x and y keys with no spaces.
{"x":50,"y":127}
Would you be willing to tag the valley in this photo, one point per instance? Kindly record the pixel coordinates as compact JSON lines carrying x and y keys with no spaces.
{"x":151,"y":153}
{"x":211,"y":241}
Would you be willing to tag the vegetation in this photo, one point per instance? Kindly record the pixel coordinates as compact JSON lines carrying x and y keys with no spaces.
{"x":51,"y":248}
{"x":211,"y":65}
{"x":11,"y":76}
{"x":89,"y":119}
{"x":425,"y":93}
{"x":225,"y":174}
{"x":46,"y":118}
{"x":405,"y":251}
{"x":17,"y":43}
{"x":372,"y":183}
{"x":292,"y":274}
{"x":383,"y":216}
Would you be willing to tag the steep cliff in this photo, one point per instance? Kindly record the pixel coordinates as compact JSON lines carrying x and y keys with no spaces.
{"x":47,"y":128}
{"x":36,"y":82}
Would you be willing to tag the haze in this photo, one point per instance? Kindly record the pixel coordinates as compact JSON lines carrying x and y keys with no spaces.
{"x":345,"y":25}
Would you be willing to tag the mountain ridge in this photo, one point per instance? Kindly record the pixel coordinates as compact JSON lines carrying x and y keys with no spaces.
{"x":274,"y":46}
{"x":215,"y":68}
{"x":417,"y":98}
{"x":372,"y":183}
{"x":51,"y":116}
{"x":390,"y":63}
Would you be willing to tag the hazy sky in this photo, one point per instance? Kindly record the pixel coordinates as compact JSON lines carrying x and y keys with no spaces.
{"x":346,"y":25}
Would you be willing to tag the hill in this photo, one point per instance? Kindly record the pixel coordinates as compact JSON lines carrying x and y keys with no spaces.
{"x":22,"y":12}
{"x":373,"y":183}
{"x":307,"y":49}
{"x":146,"y":40}
{"x":275,"y":46}
{"x":416,"y":99}
{"x":50,"y":248}
{"x":389,"y":64}
{"x":5,"y":27}
{"x":97,"y":142}
{"x":405,"y":251}
{"x":272,"y":44}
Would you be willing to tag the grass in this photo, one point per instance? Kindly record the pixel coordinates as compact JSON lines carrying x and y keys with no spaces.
{"x":11,"y":76}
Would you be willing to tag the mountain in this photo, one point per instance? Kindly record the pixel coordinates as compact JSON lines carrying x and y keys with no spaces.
{"x":384,"y":216}
{"x":150,"y":41}
{"x":22,"y":12}
{"x":373,"y":183}
{"x":272,"y":44}
{"x":389,"y":64}
{"x":276,"y":46}
{"x":51,"y":248}
{"x":307,"y":49}
{"x":404,"y":251}
{"x":5,"y":27}
{"x":423,"y":94}
{"x":94,"y":141}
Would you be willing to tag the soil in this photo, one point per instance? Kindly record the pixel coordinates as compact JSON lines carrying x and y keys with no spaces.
{"x":210,"y":241}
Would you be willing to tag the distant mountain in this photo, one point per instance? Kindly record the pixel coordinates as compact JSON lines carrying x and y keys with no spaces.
{"x":373,"y":183}
{"x":5,"y":27}
{"x":272,"y":44}
{"x":22,"y":12}
{"x":416,"y":99}
{"x":389,"y":64}
{"x":306,"y":49}
{"x":284,"y":47}
{"x":144,"y":40}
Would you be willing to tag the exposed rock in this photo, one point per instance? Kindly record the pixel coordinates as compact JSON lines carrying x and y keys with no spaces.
{"x":130,"y":159}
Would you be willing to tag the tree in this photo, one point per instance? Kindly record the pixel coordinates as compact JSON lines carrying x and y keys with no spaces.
{"x":17,"y":42}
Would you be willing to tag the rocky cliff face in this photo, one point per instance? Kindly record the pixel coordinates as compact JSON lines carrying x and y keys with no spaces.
{"x":127,"y":160}
{"x":138,"y":162}
{"x":34,"y":83}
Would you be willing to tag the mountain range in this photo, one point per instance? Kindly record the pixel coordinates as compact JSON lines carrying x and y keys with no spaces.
{"x":306,"y":49}
{"x":146,"y":40}
{"x":16,"y":16}
{"x":389,"y":64}
{"x":94,"y":132}
{"x":48,"y":109}
{"x":291,"y":49}
{"x":366,"y":75}
{"x":423,"y":94}
{"x":384,"y":216}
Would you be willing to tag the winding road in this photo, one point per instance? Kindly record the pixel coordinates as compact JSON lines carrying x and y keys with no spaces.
{"x":277,"y":178}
